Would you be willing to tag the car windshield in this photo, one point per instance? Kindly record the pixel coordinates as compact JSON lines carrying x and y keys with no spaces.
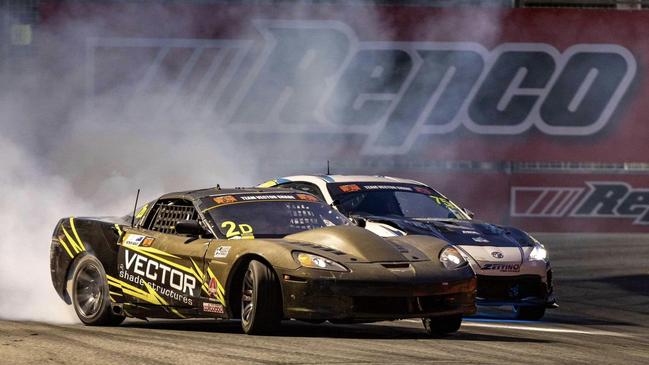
{"x":394,"y":200}
{"x":269,"y":215}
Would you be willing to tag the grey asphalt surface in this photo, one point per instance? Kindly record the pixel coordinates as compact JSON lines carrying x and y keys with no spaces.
{"x":602,"y":286}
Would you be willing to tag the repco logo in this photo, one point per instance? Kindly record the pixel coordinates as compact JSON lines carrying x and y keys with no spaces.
{"x":614,"y":200}
{"x":316,"y":76}
{"x":601,"y":199}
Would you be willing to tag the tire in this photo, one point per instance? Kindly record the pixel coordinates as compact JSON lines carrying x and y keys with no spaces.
{"x":261,"y":302}
{"x":528,"y":313}
{"x":90,"y":293}
{"x":439,"y":326}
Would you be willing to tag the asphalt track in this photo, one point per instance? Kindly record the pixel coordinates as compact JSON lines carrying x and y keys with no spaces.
{"x":602,"y":285}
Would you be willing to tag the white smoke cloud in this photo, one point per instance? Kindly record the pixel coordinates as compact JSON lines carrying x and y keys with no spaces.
{"x":61,"y":158}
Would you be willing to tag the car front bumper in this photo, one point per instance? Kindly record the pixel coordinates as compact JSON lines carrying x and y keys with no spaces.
{"x":371,"y":294}
{"x":519,"y":290}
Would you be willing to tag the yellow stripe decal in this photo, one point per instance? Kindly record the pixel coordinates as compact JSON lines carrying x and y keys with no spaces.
{"x":113,"y":293}
{"x":110,"y":278}
{"x":177,"y":313}
{"x":71,"y":240}
{"x":119,"y":230}
{"x":198,"y":270}
{"x":74,"y":230}
{"x":150,"y":297}
{"x":218,"y":283}
{"x":65,"y":246}
{"x":153,"y":296}
{"x":268,"y":184}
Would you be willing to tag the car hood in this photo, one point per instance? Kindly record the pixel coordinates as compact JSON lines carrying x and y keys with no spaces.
{"x":354,"y":244}
{"x":484,"y":242}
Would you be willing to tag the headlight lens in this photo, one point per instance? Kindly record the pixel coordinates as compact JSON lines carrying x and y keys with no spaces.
{"x":317,"y":262}
{"x":451,"y":258}
{"x":538,"y":253}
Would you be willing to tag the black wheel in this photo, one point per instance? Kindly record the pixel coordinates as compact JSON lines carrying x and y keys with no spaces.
{"x":90,"y":293}
{"x":438,"y":326}
{"x":529,"y":313}
{"x":261,"y":302}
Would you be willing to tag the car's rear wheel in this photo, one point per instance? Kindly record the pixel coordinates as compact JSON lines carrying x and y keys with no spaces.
{"x":439,"y":326}
{"x":529,"y":313}
{"x":261,"y":302}
{"x":90,"y":293}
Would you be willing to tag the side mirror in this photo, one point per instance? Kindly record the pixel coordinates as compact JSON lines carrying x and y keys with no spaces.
{"x":359,"y":221}
{"x":469,"y":213}
{"x":191,"y":228}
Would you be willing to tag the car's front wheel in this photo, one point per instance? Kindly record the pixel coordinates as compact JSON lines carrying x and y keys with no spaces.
{"x":529,"y":313}
{"x":261,"y":302}
{"x":438,"y":326}
{"x":90,"y":293}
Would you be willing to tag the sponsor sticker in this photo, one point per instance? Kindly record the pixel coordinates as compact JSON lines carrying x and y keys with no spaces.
{"x":387,"y":187}
{"x":225,"y":199}
{"x":349,"y":188}
{"x":148,"y":242}
{"x":470,"y":232}
{"x":306,"y":197}
{"x":222,"y":251}
{"x":497,"y":255}
{"x":502,"y":267}
{"x":213,"y":287}
{"x":423,"y":190}
{"x":212,"y":308}
{"x":133,"y":240}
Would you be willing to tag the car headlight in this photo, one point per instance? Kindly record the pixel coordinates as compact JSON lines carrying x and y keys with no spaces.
{"x":317,"y":262}
{"x":451,"y":258}
{"x":538,"y":253}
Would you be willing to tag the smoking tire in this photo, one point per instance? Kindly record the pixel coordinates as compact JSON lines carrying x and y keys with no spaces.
{"x":439,"y":326}
{"x":261,"y":305}
{"x":528,"y":313}
{"x":90,"y":293}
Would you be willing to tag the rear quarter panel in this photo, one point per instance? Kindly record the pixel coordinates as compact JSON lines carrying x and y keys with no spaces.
{"x":74,"y":237}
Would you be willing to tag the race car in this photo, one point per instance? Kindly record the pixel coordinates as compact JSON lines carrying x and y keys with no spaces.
{"x":259,"y":255}
{"x":513,"y":268}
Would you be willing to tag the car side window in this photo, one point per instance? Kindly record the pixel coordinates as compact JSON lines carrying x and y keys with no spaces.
{"x":304,"y":186}
{"x":168,"y":212}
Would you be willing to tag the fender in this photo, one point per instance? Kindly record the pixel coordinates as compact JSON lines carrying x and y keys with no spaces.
{"x":73,"y":237}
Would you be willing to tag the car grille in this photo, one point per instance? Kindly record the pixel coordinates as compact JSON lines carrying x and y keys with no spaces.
{"x":510,"y":288}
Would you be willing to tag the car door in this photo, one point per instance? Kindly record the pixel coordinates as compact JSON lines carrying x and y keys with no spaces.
{"x":158,"y":266}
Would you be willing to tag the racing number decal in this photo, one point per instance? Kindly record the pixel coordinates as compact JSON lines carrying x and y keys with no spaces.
{"x":442,"y":201}
{"x":233,"y":230}
{"x":446,"y":203}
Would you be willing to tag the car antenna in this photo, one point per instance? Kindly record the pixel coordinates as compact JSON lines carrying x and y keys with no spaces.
{"x":137,"y":197}
{"x":328,"y":171}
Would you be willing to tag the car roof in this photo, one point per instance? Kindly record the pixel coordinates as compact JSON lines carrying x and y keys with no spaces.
{"x":353,"y":178}
{"x":218,"y":191}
